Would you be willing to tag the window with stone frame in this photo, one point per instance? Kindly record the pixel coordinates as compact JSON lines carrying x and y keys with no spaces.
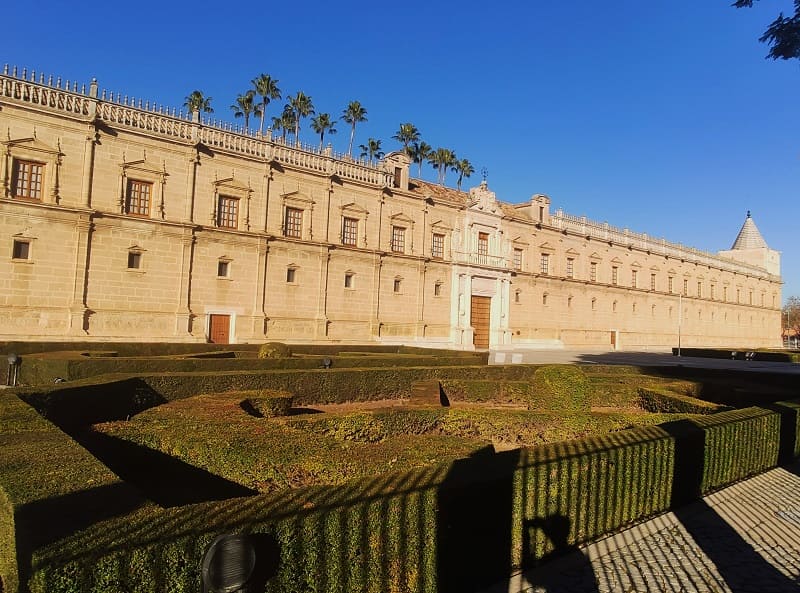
{"x":293,"y":222}
{"x":685,"y":287}
{"x":137,"y":198}
{"x":517,"y":258}
{"x":349,"y":280}
{"x":437,"y":289}
{"x":614,"y":275}
{"x":223,"y":268}
{"x":652,"y":281}
{"x":593,"y":271}
{"x":398,"y":239}
{"x":27,"y":177}
{"x":570,"y":267}
{"x":483,"y":248}
{"x":437,"y":246}
{"x":634,"y":278}
{"x":670,"y":281}
{"x":349,"y":231}
{"x":21,"y":249}
{"x":544,"y":263}
{"x":134,"y":260}
{"x":227,"y":212}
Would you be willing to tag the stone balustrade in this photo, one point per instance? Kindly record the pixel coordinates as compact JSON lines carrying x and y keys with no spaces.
{"x":605,"y":232}
{"x":121,"y":110}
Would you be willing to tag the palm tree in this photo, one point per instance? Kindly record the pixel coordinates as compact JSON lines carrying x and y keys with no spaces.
{"x":301,"y":106}
{"x":265,"y":87}
{"x":245,"y":106}
{"x":322,"y":123}
{"x":441,"y":160}
{"x":407,"y":134}
{"x":371,"y":150}
{"x":197,"y":102}
{"x":419,"y":153}
{"x":464,"y":169}
{"x":353,"y":114}
{"x":285,"y":123}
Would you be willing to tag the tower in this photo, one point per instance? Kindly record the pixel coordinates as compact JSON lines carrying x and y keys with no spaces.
{"x":751,"y":248}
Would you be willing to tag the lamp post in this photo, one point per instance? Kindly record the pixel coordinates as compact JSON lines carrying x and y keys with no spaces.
{"x":13,"y":364}
{"x":680,"y":320}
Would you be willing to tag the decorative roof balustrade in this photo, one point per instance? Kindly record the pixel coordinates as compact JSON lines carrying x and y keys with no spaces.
{"x":481,"y":259}
{"x":603,"y":231}
{"x":66,"y":97}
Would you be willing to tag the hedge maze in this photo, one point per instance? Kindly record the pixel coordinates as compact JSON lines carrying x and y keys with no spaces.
{"x":343,"y":477}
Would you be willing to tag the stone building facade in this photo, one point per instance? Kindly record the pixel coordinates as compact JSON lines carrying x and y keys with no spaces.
{"x":123,"y":221}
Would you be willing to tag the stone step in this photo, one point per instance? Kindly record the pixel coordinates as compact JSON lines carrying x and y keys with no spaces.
{"x":426,"y":393}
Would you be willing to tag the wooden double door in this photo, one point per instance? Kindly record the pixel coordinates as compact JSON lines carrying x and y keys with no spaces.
{"x":480,"y":318}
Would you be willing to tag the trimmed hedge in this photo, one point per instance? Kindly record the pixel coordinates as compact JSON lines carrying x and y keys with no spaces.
{"x":43,"y":370}
{"x":271,"y":404}
{"x":49,"y":487}
{"x":663,"y":400}
{"x":738,"y":354}
{"x":425,"y":530}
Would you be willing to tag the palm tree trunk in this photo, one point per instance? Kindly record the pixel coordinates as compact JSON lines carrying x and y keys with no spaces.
{"x":261,"y":126}
{"x":352,"y":135}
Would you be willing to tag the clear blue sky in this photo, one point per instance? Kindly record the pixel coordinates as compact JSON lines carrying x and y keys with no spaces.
{"x":661,"y":116}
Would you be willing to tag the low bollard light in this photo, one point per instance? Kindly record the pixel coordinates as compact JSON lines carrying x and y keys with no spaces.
{"x":13,"y":370}
{"x":228,"y":564}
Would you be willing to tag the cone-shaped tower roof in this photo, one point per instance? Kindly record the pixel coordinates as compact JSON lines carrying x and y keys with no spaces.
{"x":749,"y":237}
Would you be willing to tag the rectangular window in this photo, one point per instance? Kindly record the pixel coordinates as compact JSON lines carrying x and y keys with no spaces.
{"x":348,"y":280}
{"x":713,"y":290}
{"x":223,"y":268}
{"x":134,"y":260}
{"x":614,"y":275}
{"x":437,"y":246}
{"x":738,"y":296}
{"x":21,"y":250}
{"x":398,"y":239}
{"x":398,"y":175}
{"x":634,"y":278}
{"x":544,"y":263}
{"x":652,"y":281}
{"x":685,"y":286}
{"x":483,"y":248}
{"x":437,"y":289}
{"x":570,"y":267}
{"x":699,"y":289}
{"x":293,"y":223}
{"x":291,"y":275}
{"x":593,"y":271}
{"x":27,"y":181}
{"x":227,"y":212}
{"x":669,"y":284}
{"x":398,"y":284}
{"x":518,"y":259}
{"x":137,"y":198}
{"x":725,"y":293}
{"x":349,"y":231}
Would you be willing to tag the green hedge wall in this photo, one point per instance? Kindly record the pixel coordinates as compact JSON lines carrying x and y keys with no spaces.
{"x":664,"y":400}
{"x":738,"y":354}
{"x":119,"y":396}
{"x":49,"y":486}
{"x":37,"y":370}
{"x":448,"y":528}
